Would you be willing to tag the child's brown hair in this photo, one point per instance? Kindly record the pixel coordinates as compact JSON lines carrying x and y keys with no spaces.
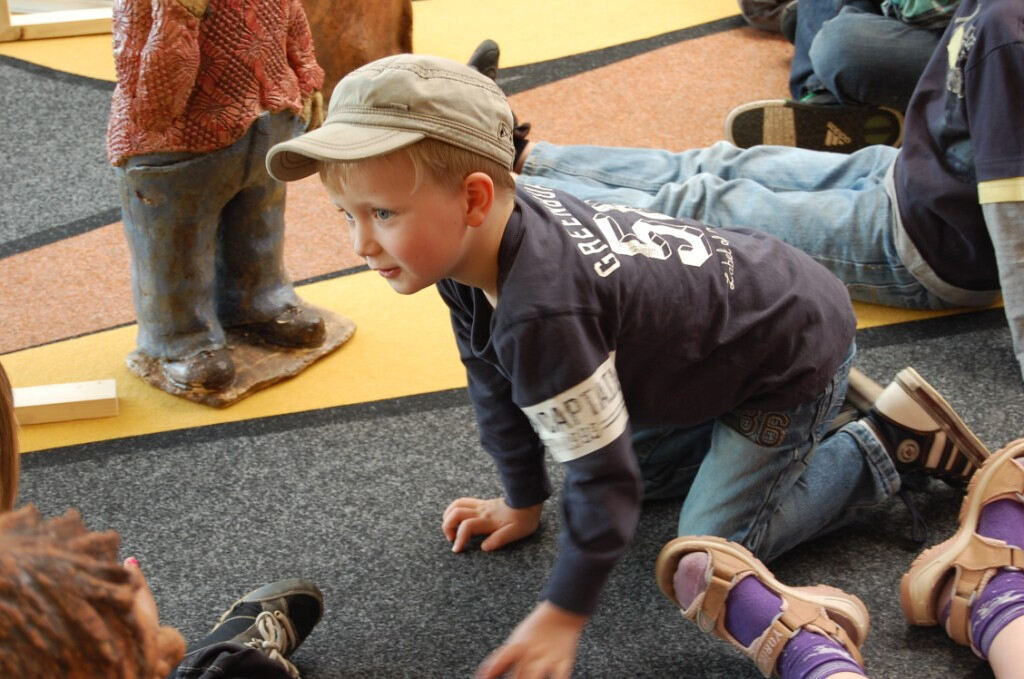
{"x":9,"y":464}
{"x":65,"y":601}
{"x":445,"y":164}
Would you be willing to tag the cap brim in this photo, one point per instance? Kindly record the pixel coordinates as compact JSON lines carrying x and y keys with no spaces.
{"x":299,"y":157}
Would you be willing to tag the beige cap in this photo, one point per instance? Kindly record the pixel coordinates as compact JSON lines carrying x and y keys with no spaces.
{"x":396,"y":101}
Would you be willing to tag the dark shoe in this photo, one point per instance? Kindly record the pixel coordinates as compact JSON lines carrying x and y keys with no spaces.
{"x":519,"y":138}
{"x":274,"y":619}
{"x":921,"y":431}
{"x":209,"y":370}
{"x":485,"y":58}
{"x":296,"y":326}
{"x":782,"y":122}
{"x":787,"y":21}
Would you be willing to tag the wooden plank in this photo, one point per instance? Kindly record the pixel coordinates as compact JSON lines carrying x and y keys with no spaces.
{"x":38,"y":25}
{"x":67,"y":401}
{"x":7,"y":32}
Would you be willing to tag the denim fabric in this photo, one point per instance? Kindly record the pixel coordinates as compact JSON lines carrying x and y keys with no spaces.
{"x":810,"y":15}
{"x":832,"y":206}
{"x":863,"y":57}
{"x":228,"y":660}
{"x":764,"y":15}
{"x":206,"y":233}
{"x":771,"y":480}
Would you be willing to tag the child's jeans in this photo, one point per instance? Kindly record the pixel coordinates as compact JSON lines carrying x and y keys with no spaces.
{"x":769,"y":480}
{"x":228,"y":660}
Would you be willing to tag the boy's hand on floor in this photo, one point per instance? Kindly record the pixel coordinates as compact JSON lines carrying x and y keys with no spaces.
{"x":542,"y":646}
{"x":469,"y":516}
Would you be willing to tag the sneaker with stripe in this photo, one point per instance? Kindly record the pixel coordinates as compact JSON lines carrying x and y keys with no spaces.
{"x":922,"y":432}
{"x":820,"y":127}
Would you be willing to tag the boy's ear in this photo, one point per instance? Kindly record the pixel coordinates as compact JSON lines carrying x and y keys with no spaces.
{"x":479,"y":192}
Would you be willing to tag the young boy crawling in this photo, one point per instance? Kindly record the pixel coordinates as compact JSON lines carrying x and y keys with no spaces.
{"x":633,"y":347}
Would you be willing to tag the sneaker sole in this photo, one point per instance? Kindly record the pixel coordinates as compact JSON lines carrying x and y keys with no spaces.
{"x":950,"y":423}
{"x":845,"y":609}
{"x":862,"y":391}
{"x":919,"y":586}
{"x":861,"y":394}
{"x":843,"y":129}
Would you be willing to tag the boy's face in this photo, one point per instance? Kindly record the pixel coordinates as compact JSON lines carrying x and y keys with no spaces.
{"x":411,"y":235}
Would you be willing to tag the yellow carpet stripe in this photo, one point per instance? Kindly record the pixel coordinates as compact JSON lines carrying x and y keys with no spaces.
{"x":527,"y":30}
{"x":530,"y":31}
{"x":402,"y":346}
{"x":91,"y":56}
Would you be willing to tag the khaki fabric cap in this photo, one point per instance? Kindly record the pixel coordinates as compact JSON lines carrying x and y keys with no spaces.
{"x":397,"y":101}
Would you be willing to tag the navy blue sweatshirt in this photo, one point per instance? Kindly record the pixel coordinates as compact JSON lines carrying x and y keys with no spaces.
{"x":610,"y":318}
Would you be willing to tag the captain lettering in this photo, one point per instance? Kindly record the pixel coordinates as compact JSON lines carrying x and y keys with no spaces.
{"x":583,"y":418}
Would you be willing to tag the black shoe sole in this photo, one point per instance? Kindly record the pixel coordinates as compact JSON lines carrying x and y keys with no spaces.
{"x":842,"y":129}
{"x":485,"y":58}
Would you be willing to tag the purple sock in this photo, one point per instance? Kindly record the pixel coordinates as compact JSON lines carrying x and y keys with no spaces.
{"x":811,"y":656}
{"x":1003,"y":520}
{"x":999,"y":604}
{"x":750,"y":609}
{"x":1002,"y":600}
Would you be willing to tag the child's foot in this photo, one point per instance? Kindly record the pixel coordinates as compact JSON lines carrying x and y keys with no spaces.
{"x":274,"y":619}
{"x":485,"y":58}
{"x":972,"y":583}
{"x":785,"y":630}
{"x":784,"y":122}
{"x":922,"y":432}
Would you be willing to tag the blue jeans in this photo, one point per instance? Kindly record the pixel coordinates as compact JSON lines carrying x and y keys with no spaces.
{"x":850,"y":49}
{"x":833,"y":206}
{"x":228,"y":660}
{"x":769,"y":480}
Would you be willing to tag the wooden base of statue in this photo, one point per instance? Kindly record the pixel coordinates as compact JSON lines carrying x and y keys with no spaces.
{"x":257,"y":366}
{"x":350,"y":33}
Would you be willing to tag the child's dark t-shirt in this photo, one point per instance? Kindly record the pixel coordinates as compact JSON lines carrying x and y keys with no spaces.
{"x":609,"y":319}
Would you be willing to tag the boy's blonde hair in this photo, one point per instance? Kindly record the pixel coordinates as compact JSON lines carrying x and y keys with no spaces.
{"x":443,"y":163}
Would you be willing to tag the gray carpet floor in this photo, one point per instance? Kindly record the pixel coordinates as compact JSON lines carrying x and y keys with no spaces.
{"x":352,"y":498}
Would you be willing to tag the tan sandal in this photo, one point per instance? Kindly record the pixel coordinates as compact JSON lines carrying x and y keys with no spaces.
{"x":970,"y":559}
{"x":825,"y":610}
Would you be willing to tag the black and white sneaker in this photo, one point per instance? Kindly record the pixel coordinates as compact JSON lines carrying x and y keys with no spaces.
{"x":274,"y":619}
{"x":922,"y":432}
{"x":819,"y":127}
